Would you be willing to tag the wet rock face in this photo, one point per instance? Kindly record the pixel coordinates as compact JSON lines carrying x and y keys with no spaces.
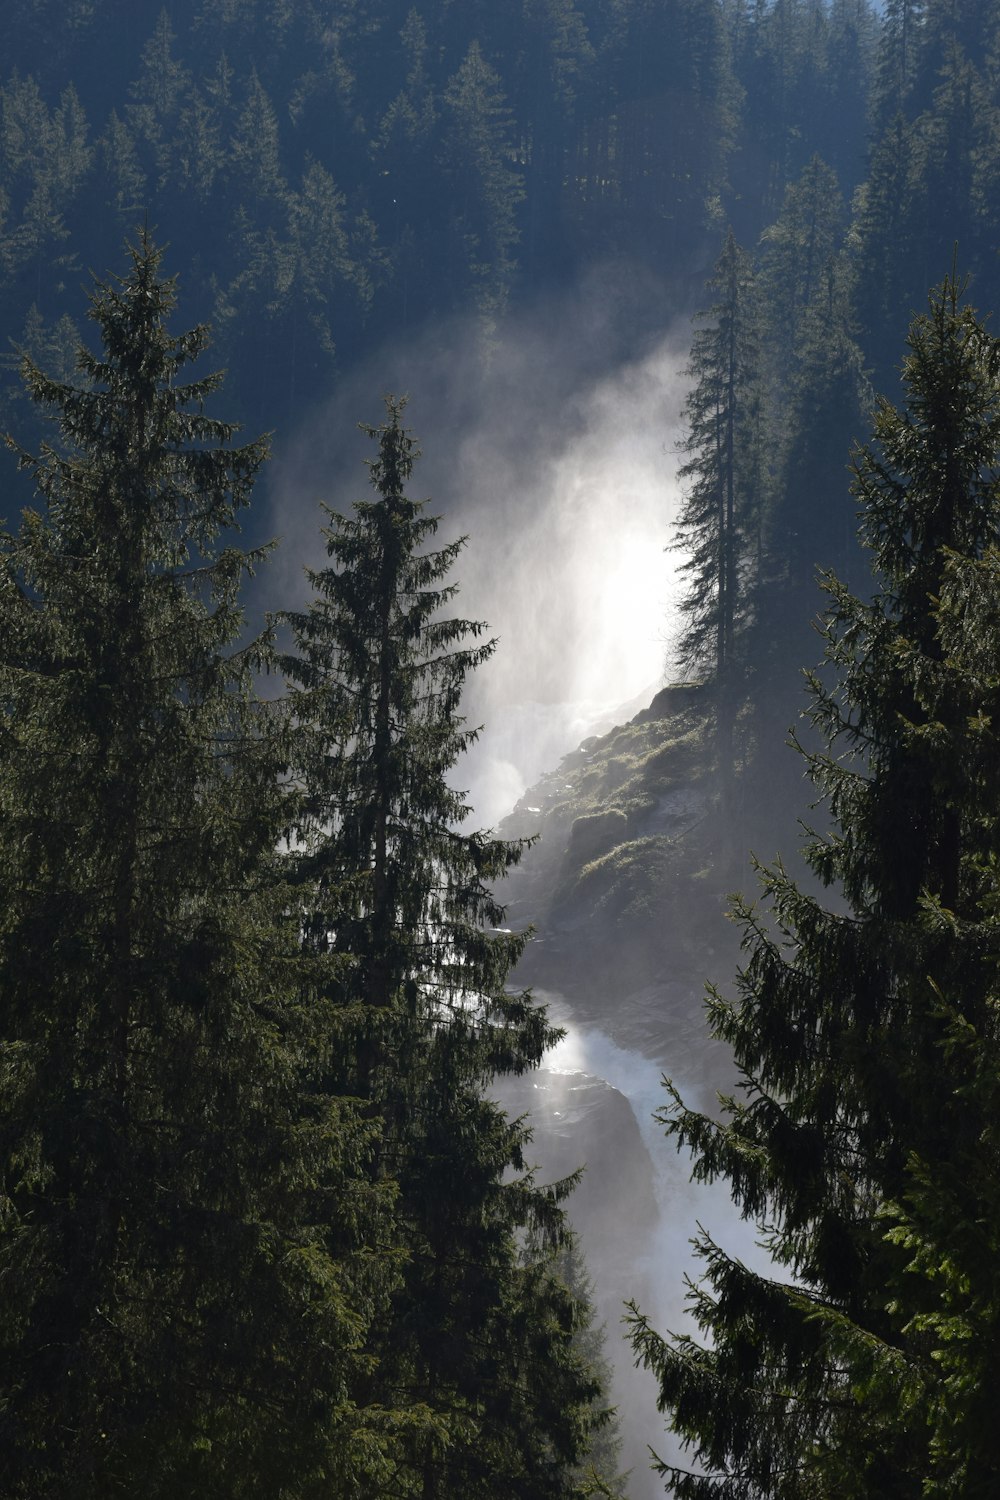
{"x":622,"y":887}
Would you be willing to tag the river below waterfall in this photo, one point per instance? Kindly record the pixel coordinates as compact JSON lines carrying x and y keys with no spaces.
{"x":591,"y":1104}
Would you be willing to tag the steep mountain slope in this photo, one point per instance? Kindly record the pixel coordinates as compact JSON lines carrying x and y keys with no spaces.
{"x":623,"y":885}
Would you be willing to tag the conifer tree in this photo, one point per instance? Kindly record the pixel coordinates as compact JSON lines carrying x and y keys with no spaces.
{"x":477,"y":158}
{"x":899,"y":43}
{"x":797,"y":253}
{"x":122,"y":182}
{"x":719,"y":522}
{"x":157,"y":98}
{"x":811,"y":520}
{"x":176,"y":1314}
{"x":479,"y":1334}
{"x":865,"y":1033}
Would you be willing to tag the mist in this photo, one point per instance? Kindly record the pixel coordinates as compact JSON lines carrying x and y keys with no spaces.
{"x":555,"y":455}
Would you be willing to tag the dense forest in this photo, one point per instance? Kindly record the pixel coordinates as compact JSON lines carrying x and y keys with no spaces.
{"x":264,"y":1228}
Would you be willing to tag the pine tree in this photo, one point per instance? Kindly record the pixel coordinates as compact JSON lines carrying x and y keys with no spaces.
{"x":719,"y":523}
{"x":899,"y":43}
{"x":177,"y":1315}
{"x":478,"y":1334}
{"x":810,"y":523}
{"x":847,"y":88}
{"x":886,"y":234}
{"x":122,"y":180}
{"x":865,"y":1033}
{"x":485,"y":186}
{"x":157,"y":98}
{"x":797,"y":253}
{"x":947,"y":1222}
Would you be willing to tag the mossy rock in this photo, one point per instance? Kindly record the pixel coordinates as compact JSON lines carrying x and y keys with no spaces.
{"x":594,"y":834}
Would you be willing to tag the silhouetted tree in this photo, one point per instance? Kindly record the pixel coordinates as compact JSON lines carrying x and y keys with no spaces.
{"x":480,"y":1334}
{"x":176,"y":1313}
{"x":718,"y":527}
{"x":865,"y":1034}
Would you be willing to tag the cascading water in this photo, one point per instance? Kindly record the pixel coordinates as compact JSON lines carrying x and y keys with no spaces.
{"x":659,"y":1253}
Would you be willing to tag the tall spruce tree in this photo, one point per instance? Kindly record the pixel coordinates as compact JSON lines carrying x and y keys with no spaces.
{"x":810,"y":526}
{"x":479,"y":1334}
{"x":866,"y":1034}
{"x":947,"y":1222}
{"x":176,"y":1315}
{"x":797,"y":254}
{"x":718,"y":527}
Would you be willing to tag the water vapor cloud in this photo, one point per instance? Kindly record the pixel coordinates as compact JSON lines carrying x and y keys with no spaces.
{"x":554,"y":452}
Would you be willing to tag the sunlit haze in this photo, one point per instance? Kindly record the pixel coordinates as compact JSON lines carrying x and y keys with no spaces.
{"x":565,"y":486}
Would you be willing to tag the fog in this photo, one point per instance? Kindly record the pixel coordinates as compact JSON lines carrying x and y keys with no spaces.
{"x":555,"y":455}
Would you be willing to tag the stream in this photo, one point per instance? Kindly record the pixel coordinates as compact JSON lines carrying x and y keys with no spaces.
{"x":636,"y":1209}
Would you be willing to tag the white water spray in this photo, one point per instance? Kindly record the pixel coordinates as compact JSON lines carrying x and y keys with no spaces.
{"x":663,"y":1259}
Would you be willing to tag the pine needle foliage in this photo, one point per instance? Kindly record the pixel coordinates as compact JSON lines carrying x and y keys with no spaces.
{"x":862,"y":1139}
{"x":718,"y":525}
{"x":175,"y":1316}
{"x":478,"y":1333}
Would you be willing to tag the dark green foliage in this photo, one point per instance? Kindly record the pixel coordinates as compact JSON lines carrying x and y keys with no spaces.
{"x":804,"y":71}
{"x":718,"y":526}
{"x":866,"y":1037}
{"x":484,"y":187}
{"x":601,"y":1462}
{"x":719,"y":520}
{"x":810,"y":518}
{"x":946,"y":1221}
{"x":480,"y":1335}
{"x":933,"y":165}
{"x":611,"y":126}
{"x":897,"y":61}
{"x":178,"y":1316}
{"x":463,"y":144}
{"x":797,"y":257}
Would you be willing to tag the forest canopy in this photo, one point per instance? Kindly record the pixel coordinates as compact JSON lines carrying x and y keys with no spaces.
{"x":264,"y":1230}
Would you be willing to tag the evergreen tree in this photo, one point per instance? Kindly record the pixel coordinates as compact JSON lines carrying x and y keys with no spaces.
{"x":484,"y":185}
{"x":847,"y":88}
{"x":177,"y":1315}
{"x":719,"y":523}
{"x":866,"y":1037}
{"x":255,"y":156}
{"x":897,"y":61}
{"x":551,"y":70}
{"x":405,"y":147}
{"x":602,"y":1459}
{"x":478,"y":1334}
{"x":885,"y":234}
{"x":157,"y":98}
{"x":123,"y":182}
{"x":797,"y":255}
{"x":954,"y":135}
{"x":198,"y":157}
{"x":947,"y":1222}
{"x":811,"y":522}
{"x":773,"y":63}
